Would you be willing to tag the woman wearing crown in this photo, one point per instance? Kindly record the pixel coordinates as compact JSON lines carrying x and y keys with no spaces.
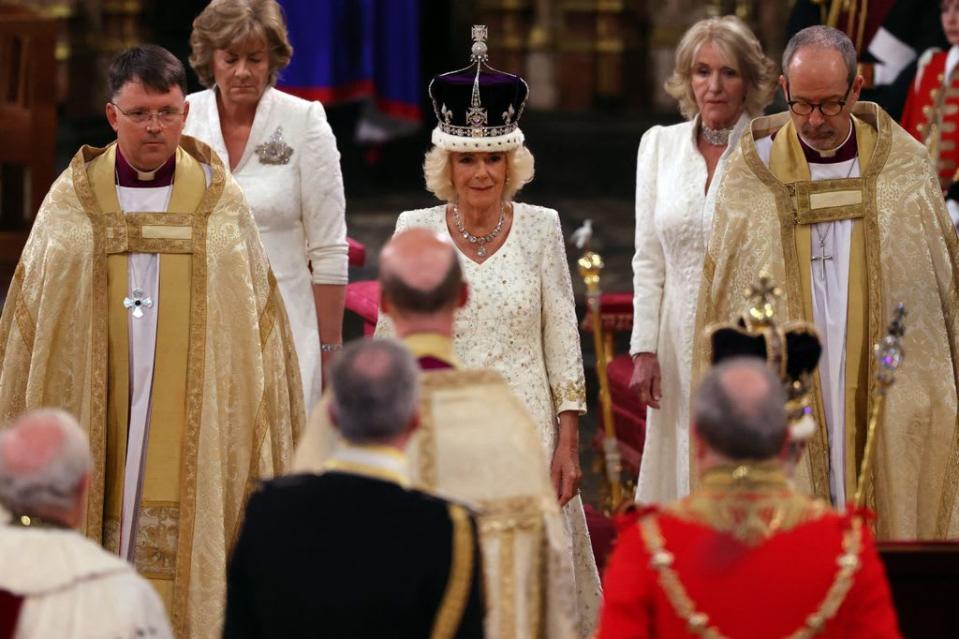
{"x":520,"y":320}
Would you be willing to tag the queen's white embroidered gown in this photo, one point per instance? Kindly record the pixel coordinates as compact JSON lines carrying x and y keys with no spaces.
{"x":674,"y":214}
{"x":520,"y":321}
{"x":298,"y":206}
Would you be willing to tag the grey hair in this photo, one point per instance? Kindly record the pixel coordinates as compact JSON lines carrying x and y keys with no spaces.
{"x":822,"y":37}
{"x":54,"y":487}
{"x":375,"y":387}
{"x":741,"y":427}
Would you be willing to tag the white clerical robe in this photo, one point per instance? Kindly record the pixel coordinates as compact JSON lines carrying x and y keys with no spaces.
{"x":830,"y":243}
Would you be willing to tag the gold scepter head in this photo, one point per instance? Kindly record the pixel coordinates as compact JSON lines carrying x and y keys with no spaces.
{"x":590,"y":268}
{"x":889,"y":354}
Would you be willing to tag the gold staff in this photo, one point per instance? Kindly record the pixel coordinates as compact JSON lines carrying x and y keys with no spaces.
{"x":590,"y":267}
{"x":889,"y":354}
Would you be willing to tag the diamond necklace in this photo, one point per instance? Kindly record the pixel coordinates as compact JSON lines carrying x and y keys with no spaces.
{"x":483,"y":239}
{"x":715,"y":137}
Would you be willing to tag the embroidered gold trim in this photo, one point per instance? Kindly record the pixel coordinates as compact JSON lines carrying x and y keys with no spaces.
{"x":698,"y":622}
{"x":536,"y":604}
{"x":265,"y":413}
{"x":151,"y":232}
{"x":827,"y":200}
{"x":522,"y":513}
{"x":835,"y":199}
{"x":875,"y":302}
{"x":156,"y":540}
{"x":950,"y":485}
{"x":111,"y":535}
{"x":195,"y":377}
{"x":500,"y":520}
{"x":507,"y":584}
{"x":25,"y":323}
{"x":426,"y":457}
{"x":570,"y":392}
{"x":749,"y":502}
{"x":268,"y":316}
{"x":97,"y":426}
{"x":366,"y":470}
{"x":450,"y":612}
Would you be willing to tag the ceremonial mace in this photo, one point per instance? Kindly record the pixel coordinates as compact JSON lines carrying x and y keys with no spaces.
{"x":590,"y":267}
{"x":889,"y":355}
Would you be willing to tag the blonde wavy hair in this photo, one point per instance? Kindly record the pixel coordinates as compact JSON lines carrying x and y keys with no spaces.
{"x":520,"y":167}
{"x":226,"y":22}
{"x":737,"y":42}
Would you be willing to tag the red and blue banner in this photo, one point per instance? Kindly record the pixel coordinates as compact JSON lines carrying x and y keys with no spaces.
{"x":345,"y":50}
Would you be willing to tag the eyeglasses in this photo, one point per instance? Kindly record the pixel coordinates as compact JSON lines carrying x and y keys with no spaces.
{"x":829,"y":108}
{"x":165,"y":117}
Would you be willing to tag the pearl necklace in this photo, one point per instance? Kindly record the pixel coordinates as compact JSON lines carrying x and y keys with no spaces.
{"x":483,"y":239}
{"x":715,"y":137}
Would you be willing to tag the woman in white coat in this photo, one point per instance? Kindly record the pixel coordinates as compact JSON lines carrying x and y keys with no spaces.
{"x":281,"y":150}
{"x":721,"y":78}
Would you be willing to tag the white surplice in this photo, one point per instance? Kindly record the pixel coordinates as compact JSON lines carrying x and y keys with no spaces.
{"x":298,"y":206}
{"x":674,"y":213}
{"x":830,"y":296}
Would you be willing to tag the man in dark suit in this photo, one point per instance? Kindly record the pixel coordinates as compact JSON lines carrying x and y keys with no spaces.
{"x":353,"y":551}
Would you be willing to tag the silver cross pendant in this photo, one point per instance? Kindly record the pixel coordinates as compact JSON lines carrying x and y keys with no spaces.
{"x":137,"y":303}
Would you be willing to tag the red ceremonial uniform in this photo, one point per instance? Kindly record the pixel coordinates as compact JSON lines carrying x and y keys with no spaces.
{"x":746,"y":557}
{"x":931,"y":114}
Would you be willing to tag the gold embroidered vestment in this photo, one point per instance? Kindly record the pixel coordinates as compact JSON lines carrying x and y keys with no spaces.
{"x":227,"y":403}
{"x":905,"y":244}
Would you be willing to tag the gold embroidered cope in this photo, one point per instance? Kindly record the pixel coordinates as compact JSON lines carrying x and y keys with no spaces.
{"x":225,"y":371}
{"x":903,"y":249}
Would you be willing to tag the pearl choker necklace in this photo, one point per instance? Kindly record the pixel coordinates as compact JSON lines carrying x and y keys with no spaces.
{"x":715,"y":137}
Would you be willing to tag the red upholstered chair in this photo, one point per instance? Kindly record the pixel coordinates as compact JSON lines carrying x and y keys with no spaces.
{"x":357,"y":252}
{"x":363,"y":297}
{"x":629,"y":415}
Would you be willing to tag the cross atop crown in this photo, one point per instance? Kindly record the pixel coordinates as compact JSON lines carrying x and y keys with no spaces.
{"x":479,"y":50}
{"x":762,"y":298}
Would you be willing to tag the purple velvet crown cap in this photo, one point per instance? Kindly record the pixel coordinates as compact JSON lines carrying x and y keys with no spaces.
{"x":478,"y":108}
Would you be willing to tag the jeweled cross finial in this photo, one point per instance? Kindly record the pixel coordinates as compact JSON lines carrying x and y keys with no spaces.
{"x":762,"y":298}
{"x":479,"y":50}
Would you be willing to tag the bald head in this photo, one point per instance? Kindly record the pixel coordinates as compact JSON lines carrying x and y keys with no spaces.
{"x":420,"y":272}
{"x":740,"y":410}
{"x":374,"y":390}
{"x":44,"y":462}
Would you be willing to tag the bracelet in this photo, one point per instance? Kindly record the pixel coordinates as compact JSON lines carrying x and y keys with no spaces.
{"x":330,"y":348}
